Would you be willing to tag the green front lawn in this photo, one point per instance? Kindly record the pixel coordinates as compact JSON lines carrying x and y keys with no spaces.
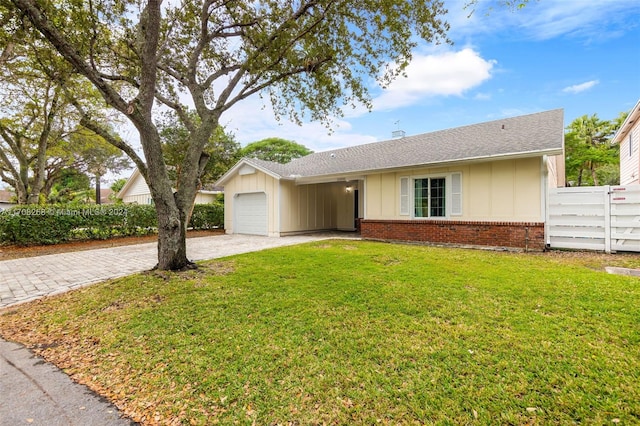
{"x":348,"y":332}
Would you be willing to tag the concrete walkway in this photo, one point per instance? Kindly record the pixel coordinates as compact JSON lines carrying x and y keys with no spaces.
{"x":23,"y":280}
{"x":37,"y":393}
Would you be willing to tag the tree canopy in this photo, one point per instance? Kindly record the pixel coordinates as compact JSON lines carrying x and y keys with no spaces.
{"x":221,"y":148}
{"x":41,"y":138}
{"x":275,"y":149}
{"x":590,"y":157}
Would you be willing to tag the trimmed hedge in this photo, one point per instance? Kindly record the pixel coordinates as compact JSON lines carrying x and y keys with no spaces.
{"x":207,"y":216}
{"x":53,"y":224}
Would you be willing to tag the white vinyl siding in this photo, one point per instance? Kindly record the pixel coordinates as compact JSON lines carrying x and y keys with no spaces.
{"x":630,"y":157}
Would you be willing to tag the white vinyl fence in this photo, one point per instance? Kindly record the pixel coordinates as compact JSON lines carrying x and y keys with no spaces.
{"x":604,"y":218}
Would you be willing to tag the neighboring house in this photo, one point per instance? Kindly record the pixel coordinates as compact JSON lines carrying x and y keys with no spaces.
{"x":105,"y":196}
{"x":483,"y":184}
{"x":628,"y":136}
{"x":136,"y":191}
{"x":6,"y":198}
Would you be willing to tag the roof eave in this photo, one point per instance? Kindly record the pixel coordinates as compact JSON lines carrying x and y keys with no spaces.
{"x":627,"y":124}
{"x":225,"y":177}
{"x":356,"y":174}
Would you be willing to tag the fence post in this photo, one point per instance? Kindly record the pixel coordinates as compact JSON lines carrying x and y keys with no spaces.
{"x":607,"y":218}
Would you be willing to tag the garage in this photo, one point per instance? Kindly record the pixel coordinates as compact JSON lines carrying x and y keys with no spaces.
{"x":251,"y":213}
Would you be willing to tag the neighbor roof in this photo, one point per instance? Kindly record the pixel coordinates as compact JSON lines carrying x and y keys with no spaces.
{"x":6,"y":196}
{"x":208,"y":188}
{"x":628,"y":123}
{"x":528,"y":135}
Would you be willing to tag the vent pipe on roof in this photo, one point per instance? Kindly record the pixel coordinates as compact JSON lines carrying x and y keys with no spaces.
{"x":397,"y":134}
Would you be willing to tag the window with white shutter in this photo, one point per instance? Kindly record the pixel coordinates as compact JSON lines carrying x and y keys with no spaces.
{"x":431,"y":196}
{"x":404,"y":196}
{"x":456,"y":194}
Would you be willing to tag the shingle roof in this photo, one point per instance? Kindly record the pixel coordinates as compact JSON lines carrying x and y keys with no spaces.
{"x":6,"y":196}
{"x":282,"y":170}
{"x":528,"y":135}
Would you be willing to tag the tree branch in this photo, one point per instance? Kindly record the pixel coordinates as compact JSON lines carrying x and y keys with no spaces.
{"x":115,"y":141}
{"x":37,"y":17}
{"x":177,"y":107}
{"x":12,"y":138}
{"x":149,"y":31}
{"x":8,"y":165}
{"x":7,"y":179}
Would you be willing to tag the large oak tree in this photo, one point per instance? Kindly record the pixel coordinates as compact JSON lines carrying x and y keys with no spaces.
{"x":304,"y":56}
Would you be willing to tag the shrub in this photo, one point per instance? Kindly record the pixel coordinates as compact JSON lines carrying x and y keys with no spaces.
{"x":35,"y":225}
{"x":53,"y":224}
{"x":140,"y":219}
{"x":207,"y":216}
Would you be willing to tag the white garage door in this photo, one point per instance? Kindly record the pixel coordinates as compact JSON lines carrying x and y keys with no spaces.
{"x":251,"y":213}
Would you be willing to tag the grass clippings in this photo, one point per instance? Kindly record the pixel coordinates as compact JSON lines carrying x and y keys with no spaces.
{"x":364,"y":333}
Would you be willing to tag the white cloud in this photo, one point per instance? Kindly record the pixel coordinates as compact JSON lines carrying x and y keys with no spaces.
{"x":482,"y":96}
{"x":543,"y":20}
{"x":428,"y":75}
{"x":577,"y":88}
{"x":251,"y":120}
{"x":507,"y":112}
{"x":442,"y":74}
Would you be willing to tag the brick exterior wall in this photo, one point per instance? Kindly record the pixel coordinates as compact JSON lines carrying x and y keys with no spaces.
{"x":519,"y":235}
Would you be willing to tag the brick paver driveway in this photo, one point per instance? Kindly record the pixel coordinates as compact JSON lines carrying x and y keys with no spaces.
{"x":22,"y":280}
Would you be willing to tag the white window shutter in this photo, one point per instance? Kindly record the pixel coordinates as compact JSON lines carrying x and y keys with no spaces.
{"x":456,"y":194}
{"x":404,"y":196}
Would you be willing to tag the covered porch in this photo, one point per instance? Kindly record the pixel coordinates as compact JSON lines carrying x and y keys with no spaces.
{"x":320,"y":206}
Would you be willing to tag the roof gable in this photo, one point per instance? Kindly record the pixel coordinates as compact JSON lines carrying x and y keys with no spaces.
{"x":271,"y":168}
{"x":125,"y":188}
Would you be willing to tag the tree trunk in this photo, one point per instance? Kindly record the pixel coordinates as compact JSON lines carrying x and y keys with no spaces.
{"x":21,"y":195}
{"x":39,"y":169}
{"x":172,"y":239}
{"x":23,"y":188}
{"x":172,"y":243}
{"x":580,"y":176}
{"x":594,"y":176}
{"x":98,"y":195}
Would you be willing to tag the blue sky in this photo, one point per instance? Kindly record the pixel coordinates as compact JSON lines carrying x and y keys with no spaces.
{"x":579,"y":55}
